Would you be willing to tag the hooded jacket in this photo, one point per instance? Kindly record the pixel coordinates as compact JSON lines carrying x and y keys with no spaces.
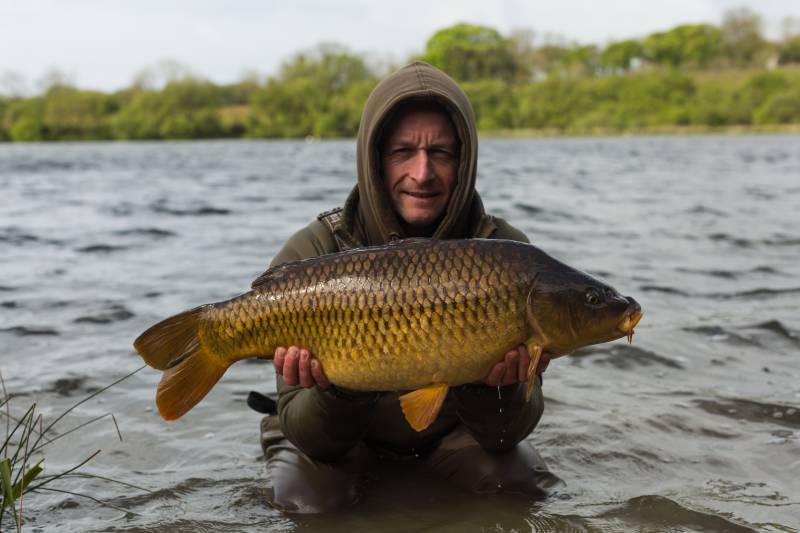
{"x":326,"y":424}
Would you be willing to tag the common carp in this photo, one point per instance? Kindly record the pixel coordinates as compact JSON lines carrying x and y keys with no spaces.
{"x":419,"y":315}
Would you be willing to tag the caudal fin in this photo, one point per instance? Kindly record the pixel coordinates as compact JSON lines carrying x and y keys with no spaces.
{"x":190,"y":372}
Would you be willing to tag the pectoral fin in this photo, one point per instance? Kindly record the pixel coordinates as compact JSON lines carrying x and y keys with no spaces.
{"x":535,"y":351}
{"x":421,"y":406}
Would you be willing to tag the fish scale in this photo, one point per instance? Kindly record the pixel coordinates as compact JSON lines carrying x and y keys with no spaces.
{"x":427,"y":307}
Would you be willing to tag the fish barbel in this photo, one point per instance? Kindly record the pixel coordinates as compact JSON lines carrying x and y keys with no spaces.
{"x":419,"y":315}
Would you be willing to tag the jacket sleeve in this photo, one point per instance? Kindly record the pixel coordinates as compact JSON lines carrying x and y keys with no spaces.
{"x":325,"y":425}
{"x":499,"y":417}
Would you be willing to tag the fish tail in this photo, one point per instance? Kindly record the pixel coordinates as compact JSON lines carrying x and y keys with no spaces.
{"x":190,"y":370}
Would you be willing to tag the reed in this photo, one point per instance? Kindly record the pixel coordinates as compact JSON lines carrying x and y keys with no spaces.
{"x":23,"y":452}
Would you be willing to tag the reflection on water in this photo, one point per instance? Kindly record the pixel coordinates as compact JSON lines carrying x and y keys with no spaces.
{"x":693,"y":427}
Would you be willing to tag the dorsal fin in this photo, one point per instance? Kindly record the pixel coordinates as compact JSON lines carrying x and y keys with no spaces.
{"x":274,"y":272}
{"x":411,"y":240}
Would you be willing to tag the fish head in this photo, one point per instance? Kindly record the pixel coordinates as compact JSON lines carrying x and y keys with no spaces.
{"x":569,"y":309}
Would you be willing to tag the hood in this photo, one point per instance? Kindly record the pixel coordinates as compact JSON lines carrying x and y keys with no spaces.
{"x":418,"y":80}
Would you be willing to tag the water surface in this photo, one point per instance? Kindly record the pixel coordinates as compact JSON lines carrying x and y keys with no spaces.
{"x":693,"y":427}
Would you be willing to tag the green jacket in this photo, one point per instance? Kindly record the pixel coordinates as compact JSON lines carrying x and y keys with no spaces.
{"x":327,"y":424}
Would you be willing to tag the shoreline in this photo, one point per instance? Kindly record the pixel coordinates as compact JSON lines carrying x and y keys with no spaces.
{"x":522,"y":133}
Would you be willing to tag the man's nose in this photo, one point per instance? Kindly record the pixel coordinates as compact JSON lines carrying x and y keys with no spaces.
{"x":422,"y":169}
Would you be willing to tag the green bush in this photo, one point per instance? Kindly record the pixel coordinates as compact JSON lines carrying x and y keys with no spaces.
{"x":24,"y":120}
{"x":182,"y":110}
{"x":494,"y":103}
{"x":72,"y":114}
{"x":782,"y":108}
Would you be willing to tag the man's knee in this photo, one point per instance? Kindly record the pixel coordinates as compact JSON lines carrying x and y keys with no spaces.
{"x":521,"y":469}
{"x":298,"y":484}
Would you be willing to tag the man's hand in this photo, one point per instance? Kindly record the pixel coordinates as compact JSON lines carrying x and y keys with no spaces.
{"x":298,"y":367}
{"x":514,"y":367}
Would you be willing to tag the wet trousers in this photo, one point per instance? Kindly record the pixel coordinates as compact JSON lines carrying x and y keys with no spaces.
{"x":297,"y":483}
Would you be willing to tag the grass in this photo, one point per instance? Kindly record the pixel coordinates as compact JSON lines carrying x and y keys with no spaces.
{"x":22,"y":457}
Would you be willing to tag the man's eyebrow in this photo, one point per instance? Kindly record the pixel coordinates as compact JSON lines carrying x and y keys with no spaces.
{"x":438,"y":143}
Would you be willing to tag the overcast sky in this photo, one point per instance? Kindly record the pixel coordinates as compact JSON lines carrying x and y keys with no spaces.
{"x":103,"y":44}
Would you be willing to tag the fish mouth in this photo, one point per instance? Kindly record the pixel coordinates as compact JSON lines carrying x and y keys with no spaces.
{"x":632,"y":317}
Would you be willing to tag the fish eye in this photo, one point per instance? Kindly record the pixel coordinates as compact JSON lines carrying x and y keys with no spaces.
{"x":592,"y":297}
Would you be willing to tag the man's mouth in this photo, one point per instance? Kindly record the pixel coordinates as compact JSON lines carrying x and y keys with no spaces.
{"x":421,"y":195}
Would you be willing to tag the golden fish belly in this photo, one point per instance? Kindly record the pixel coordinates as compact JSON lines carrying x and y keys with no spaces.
{"x":383,"y":319}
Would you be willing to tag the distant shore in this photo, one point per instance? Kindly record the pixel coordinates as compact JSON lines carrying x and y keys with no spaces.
{"x":793,"y":129}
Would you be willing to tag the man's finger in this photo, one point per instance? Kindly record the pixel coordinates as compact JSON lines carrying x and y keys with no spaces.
{"x":278,"y":359}
{"x":304,"y":369}
{"x":318,"y":374}
{"x":510,"y":375}
{"x":496,"y":375}
{"x":290,"y":366}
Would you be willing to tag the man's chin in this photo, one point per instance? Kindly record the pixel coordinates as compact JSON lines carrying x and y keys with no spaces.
{"x":420,"y":224}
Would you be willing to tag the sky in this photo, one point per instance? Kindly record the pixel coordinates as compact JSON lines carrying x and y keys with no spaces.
{"x":104,"y":44}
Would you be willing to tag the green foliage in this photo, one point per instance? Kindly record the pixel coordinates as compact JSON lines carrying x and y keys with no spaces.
{"x":619,"y":57}
{"x":549,"y":59}
{"x":4,"y":134}
{"x":789,"y":51}
{"x":744,"y":43}
{"x":615,"y":102}
{"x":782,"y":108}
{"x":24,"y":441}
{"x":185,"y":109}
{"x":319,"y":94}
{"x":494,"y":103}
{"x":469,"y":52}
{"x":694,"y":45}
{"x":24,"y":120}
{"x":689,"y":75}
{"x":719,"y":103}
{"x":72,"y":114}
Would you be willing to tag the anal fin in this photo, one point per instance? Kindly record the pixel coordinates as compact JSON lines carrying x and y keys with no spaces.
{"x":421,"y":407}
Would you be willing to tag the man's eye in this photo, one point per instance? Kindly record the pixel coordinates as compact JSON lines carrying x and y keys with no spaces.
{"x":441,"y":153}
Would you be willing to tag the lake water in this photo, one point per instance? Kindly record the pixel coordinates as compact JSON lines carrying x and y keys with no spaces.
{"x":695,"y":427}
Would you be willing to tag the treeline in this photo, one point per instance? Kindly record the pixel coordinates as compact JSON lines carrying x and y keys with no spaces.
{"x":691,"y":75}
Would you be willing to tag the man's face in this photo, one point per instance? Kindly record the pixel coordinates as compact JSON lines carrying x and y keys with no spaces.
{"x":420,"y":168}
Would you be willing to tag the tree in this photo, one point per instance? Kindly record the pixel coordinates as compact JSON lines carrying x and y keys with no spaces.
{"x":619,"y":56}
{"x":741,"y":30}
{"x":521,"y":44}
{"x":469,"y":52}
{"x":183,"y":109}
{"x":581,"y":60}
{"x":316,"y":93}
{"x":70,"y":113}
{"x":789,"y":47}
{"x":549,"y":59}
{"x":695,"y":45}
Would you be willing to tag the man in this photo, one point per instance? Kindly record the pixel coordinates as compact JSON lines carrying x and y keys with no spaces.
{"x":417,"y":155}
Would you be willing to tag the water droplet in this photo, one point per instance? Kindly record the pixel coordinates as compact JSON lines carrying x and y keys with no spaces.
{"x":501,"y":410}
